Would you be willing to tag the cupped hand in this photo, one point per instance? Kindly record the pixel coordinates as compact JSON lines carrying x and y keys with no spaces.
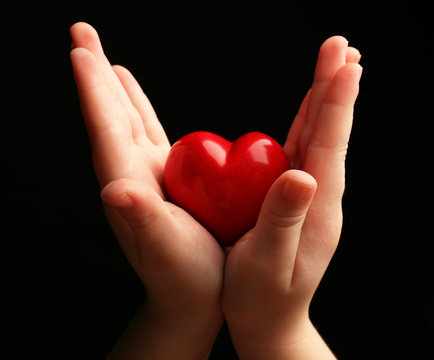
{"x":271,"y":274}
{"x":179,"y":262}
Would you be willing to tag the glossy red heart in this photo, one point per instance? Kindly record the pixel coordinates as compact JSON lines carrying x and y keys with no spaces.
{"x":223,"y":184}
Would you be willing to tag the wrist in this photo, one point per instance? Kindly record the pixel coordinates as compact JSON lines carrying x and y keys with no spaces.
{"x":300,"y":341}
{"x":158,"y":333}
{"x":190,"y":313}
{"x":191,"y":330}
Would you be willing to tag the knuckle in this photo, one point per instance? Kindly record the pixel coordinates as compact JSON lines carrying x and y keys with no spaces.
{"x":283,"y":221}
{"x":329,"y":144}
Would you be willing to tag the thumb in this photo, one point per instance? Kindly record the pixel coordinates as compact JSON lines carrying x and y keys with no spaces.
{"x":275,"y":238}
{"x":138,"y":203}
{"x":144,"y":211}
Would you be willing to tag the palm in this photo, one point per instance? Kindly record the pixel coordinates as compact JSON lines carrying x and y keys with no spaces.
{"x":128,"y":142}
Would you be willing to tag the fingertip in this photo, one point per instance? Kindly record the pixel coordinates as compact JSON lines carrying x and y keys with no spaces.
{"x":332,"y":55}
{"x":82,"y":26}
{"x":123,"y":74}
{"x":358,"y":70}
{"x":116,"y":194}
{"x":345,"y":86}
{"x":336,"y":41}
{"x":341,"y":39}
{"x":275,"y":238}
{"x":120,"y":69}
{"x":81,"y":53}
{"x":141,"y":207}
{"x":74,"y":31}
{"x":83,"y":63}
{"x":85,"y":36}
{"x":287,"y":201}
{"x":73,"y":27}
{"x":353,"y":55}
{"x":298,"y":187}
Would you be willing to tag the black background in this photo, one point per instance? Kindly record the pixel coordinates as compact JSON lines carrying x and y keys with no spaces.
{"x":66,"y":289}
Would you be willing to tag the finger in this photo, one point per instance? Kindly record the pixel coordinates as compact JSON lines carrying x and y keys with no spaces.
{"x":291,"y":143}
{"x":123,"y":232}
{"x":353,"y":55}
{"x":100,"y":112}
{"x":325,"y":158}
{"x":150,"y":123}
{"x":332,"y":55}
{"x":325,"y":161}
{"x":85,"y":36}
{"x":274,"y":240}
{"x":150,"y":222}
{"x":137,"y":129}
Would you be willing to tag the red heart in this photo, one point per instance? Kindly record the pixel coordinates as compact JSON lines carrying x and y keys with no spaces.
{"x":223,"y":184}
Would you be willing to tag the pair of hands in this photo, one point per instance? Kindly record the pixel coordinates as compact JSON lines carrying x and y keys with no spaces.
{"x":263,"y":285}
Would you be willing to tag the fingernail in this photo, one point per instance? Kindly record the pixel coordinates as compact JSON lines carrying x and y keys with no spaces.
{"x":356,"y":56}
{"x":295,"y":193}
{"x":359,"y":56}
{"x":125,"y":201}
{"x":112,"y":196}
{"x":360,"y":71}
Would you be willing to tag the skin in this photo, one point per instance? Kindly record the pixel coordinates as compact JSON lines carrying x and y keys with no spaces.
{"x":272,"y":273}
{"x":264,"y":284}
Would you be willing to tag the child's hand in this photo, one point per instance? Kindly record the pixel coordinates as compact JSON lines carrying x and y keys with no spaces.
{"x":179,"y":262}
{"x":272,"y":273}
